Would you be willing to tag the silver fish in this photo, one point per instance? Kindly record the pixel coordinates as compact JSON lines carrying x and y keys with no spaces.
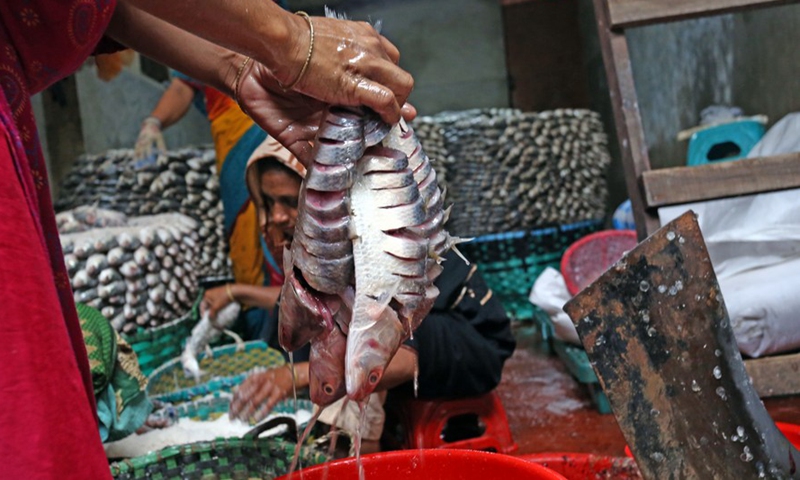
{"x":370,"y":218}
{"x":204,"y":333}
{"x":95,"y":264}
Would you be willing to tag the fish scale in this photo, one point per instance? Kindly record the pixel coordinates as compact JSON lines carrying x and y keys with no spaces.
{"x":383,"y":250}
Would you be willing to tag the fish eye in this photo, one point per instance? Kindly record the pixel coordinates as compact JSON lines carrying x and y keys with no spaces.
{"x":328,"y":389}
{"x":373,"y":378}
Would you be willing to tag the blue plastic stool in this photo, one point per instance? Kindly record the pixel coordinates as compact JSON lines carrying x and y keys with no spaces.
{"x":725,"y":142}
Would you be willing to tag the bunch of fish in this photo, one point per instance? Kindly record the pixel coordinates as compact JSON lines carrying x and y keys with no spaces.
{"x":139,"y":275}
{"x":181,"y":181}
{"x":506,"y":170}
{"x":367,"y":248}
{"x":87,"y":218}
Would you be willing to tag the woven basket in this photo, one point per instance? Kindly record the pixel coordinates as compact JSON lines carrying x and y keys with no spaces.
{"x":156,"y":346}
{"x":248,"y":458}
{"x":510,"y":262}
{"x":215,"y":405}
{"x":225,"y":370}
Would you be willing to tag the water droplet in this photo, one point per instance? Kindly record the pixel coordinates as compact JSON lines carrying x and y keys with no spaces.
{"x":654,"y":412}
{"x":601,"y":340}
{"x":670,"y":236}
{"x":723,"y":324}
{"x":721,"y":393}
{"x":681,"y":240}
{"x":703,"y":441}
{"x":717,"y":373}
{"x":695,"y":386}
{"x":717,"y":353}
{"x":645,"y":316}
{"x":761,"y":470}
{"x":673,"y":290}
{"x":662,"y":289}
{"x":658,"y":457}
{"x":742,"y":434}
{"x":746,"y":456}
{"x":586,"y":319}
{"x":698,"y":297}
{"x":644,"y":286}
{"x":651,"y":332}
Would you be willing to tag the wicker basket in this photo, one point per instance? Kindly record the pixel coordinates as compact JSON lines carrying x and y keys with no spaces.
{"x":156,"y":346}
{"x":248,"y":458}
{"x":225,"y":370}
{"x":215,"y":405}
{"x":510,"y":262}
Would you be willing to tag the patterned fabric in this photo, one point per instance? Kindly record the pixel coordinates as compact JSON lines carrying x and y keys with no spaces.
{"x":101,"y":345}
{"x":119,"y":385}
{"x":47,"y":424}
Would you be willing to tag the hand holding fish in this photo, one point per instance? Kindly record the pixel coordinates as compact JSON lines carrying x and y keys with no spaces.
{"x":291,"y":117}
{"x":215,"y":299}
{"x":260,"y":392}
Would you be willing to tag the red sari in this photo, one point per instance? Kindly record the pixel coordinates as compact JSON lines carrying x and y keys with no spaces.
{"x":47,"y":411}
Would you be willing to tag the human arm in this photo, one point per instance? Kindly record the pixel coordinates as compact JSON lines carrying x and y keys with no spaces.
{"x":351,"y":64}
{"x":260,"y":392}
{"x":215,"y":299}
{"x":174,"y":103}
{"x":171,"y":107}
{"x":290,"y":117}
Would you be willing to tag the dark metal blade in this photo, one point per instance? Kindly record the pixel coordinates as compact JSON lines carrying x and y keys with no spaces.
{"x":657,"y":332}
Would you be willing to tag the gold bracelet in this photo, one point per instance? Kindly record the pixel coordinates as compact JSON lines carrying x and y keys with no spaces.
{"x":310,"y":51}
{"x":238,"y":77}
{"x":229,"y":292}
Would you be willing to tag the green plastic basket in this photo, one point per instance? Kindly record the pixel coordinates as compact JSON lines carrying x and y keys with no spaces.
{"x":225,"y":370}
{"x":248,"y":458}
{"x":578,"y":364}
{"x":510,"y":262}
{"x":156,"y":346}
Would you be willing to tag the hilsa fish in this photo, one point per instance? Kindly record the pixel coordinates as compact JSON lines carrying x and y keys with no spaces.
{"x":370,"y":219}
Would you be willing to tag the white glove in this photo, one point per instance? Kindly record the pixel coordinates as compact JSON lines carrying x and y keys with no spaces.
{"x":149,"y":135}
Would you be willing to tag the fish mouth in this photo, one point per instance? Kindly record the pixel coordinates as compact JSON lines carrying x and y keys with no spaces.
{"x":365,"y":384}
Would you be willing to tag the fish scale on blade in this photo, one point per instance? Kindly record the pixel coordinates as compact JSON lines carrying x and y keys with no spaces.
{"x":371,"y":195}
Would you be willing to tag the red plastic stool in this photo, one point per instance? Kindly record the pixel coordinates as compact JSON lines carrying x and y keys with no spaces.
{"x":424,"y":423}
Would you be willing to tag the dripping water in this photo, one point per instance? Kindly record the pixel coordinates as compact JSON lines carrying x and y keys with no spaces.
{"x":301,"y":440}
{"x":416,"y":377}
{"x":362,"y":408}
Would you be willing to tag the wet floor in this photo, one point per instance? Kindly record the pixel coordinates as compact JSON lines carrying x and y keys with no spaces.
{"x":549,"y":411}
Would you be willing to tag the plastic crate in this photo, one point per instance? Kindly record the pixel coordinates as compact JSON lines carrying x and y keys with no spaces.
{"x":510,"y":262}
{"x":577,"y":363}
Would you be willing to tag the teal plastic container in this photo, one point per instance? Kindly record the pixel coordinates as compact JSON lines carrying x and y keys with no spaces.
{"x":725,"y":142}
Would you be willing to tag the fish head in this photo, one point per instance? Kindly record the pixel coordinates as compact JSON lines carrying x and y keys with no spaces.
{"x":370,"y":348}
{"x":326,"y":367}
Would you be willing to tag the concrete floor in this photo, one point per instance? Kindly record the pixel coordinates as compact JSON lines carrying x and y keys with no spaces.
{"x":549,"y":411}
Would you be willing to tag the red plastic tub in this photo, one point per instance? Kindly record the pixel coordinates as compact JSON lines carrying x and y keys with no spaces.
{"x":585,"y":466}
{"x":585,"y":260}
{"x":439,"y":464}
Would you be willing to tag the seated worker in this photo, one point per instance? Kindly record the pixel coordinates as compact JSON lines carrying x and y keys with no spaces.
{"x":460,"y":347}
{"x":236,"y":137}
